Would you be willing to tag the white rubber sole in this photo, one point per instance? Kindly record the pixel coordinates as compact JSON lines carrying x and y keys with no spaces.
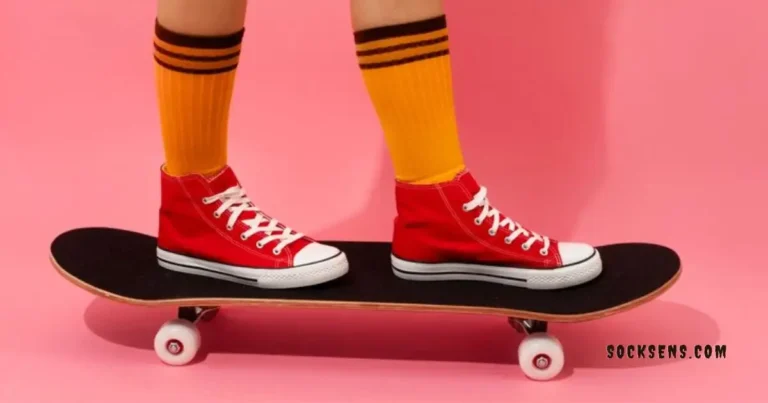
{"x":294,"y":277}
{"x":535,"y":279}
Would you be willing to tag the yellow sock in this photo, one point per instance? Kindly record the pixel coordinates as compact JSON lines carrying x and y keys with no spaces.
{"x":407,"y":71}
{"x":195,"y":79}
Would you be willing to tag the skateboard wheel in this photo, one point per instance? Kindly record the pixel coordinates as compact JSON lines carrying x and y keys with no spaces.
{"x":177,"y":342}
{"x":541,"y":356}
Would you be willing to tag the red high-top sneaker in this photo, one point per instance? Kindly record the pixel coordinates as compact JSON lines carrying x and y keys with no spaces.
{"x":449,"y":231}
{"x":209,"y":227}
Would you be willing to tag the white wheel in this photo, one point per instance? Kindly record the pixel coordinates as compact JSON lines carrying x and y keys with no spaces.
{"x":177,"y":342}
{"x":541,"y":356}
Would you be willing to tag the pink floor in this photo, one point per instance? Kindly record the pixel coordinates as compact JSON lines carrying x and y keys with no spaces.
{"x":624,"y":121}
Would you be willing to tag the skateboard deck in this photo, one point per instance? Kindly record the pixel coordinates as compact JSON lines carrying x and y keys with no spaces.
{"x":122,"y":265}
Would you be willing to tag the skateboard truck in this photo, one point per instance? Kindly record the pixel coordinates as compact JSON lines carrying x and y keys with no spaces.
{"x":528,"y":326}
{"x":195,"y":314}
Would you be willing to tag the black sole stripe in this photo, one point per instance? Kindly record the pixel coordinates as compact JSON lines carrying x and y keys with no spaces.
{"x":393,"y":31}
{"x":194,"y":71}
{"x":403,"y":46}
{"x":369,"y":66}
{"x":207,"y":270}
{"x":199,"y":42}
{"x":196,"y":58}
{"x":522,"y":280}
{"x":193,"y":256}
{"x":502,"y":264}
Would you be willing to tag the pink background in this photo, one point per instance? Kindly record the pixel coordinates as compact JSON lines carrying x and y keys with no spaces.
{"x":653,"y":114}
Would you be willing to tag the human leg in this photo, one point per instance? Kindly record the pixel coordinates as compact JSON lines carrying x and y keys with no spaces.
{"x":208,"y":225}
{"x":446,"y":229}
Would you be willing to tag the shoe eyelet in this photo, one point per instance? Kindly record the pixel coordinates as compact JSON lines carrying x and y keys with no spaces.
{"x":525,"y":247}
{"x":217,"y":215}
{"x":507,"y":241}
{"x":229,"y":227}
{"x":464,"y":207}
{"x":205,"y":200}
{"x":275,"y":252}
{"x":478,"y":221}
{"x":543,"y":252}
{"x":243,"y":237}
{"x":259,"y":245}
{"x":491,"y":232}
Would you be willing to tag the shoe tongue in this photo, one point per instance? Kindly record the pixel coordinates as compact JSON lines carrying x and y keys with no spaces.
{"x":225,"y":179}
{"x":468,"y":181}
{"x":222,"y":180}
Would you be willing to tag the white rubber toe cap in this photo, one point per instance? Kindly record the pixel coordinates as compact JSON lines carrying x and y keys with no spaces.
{"x":572,"y":253}
{"x":314,"y":253}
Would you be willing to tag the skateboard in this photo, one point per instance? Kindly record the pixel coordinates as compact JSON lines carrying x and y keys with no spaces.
{"x":122,"y":266}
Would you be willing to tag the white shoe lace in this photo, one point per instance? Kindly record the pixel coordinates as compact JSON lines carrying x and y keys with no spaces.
{"x":235,"y":200}
{"x":480,"y":199}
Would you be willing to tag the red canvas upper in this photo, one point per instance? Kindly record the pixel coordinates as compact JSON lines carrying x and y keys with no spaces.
{"x":188,"y":226}
{"x":432,"y":227}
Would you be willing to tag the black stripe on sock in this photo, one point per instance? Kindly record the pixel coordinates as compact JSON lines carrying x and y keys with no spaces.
{"x":368,"y":66}
{"x":196,"y":58}
{"x":395,"y":48}
{"x":409,"y":28}
{"x":198,"y":42}
{"x":194,"y":71}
